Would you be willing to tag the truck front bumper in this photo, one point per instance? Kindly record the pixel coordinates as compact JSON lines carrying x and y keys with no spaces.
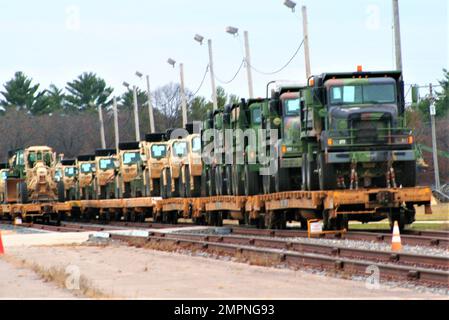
{"x":370,"y":156}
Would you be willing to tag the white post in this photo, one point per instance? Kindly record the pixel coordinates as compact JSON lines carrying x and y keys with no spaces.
{"x":136,"y":114}
{"x":248,"y":66}
{"x":103,"y":140}
{"x":305,"y":27}
{"x":212,"y":76}
{"x":397,"y":35}
{"x":183,"y":97}
{"x":150,"y":107}
{"x":117,"y":138}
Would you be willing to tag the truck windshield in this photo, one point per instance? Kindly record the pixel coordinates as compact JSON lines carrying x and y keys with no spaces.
{"x":180,"y":149}
{"x":86,"y":168}
{"x":69,"y":172}
{"x":158,"y":151}
{"x":131,"y":157}
{"x":291,"y":107}
{"x":196,"y":145}
{"x":363,"y":94}
{"x":106,"y":164}
{"x":256,"y":116}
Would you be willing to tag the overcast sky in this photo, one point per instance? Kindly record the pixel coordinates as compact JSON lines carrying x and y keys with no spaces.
{"x":55,"y":41}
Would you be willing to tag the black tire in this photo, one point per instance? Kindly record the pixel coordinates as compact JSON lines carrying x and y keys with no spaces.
{"x":312,"y":177}
{"x":181,"y":185}
{"x":23,"y":191}
{"x":196,"y":187}
{"x":219,"y":181}
{"x":326,"y":174}
{"x":156,"y":188}
{"x":407,"y":175}
{"x":170,"y":194}
{"x":237,"y":185}
{"x":228,"y":179}
{"x":187,"y":187}
{"x":61,"y":192}
{"x":203,"y":183}
{"x":103,"y":192}
{"x":282,"y":180}
{"x":251,"y":182}
{"x":127,"y":191}
{"x":211,"y":182}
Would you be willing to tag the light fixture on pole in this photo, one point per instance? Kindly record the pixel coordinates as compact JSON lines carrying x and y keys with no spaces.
{"x":290,"y":4}
{"x":182,"y":89}
{"x":234,"y":31}
{"x":150,"y":104}
{"x":200,"y":39}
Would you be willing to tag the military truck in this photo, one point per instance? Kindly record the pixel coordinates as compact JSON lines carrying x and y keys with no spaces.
{"x":106,"y":168}
{"x":357,"y":136}
{"x":171,"y":180}
{"x":282,"y":113}
{"x":31,"y":176}
{"x":3,"y":176}
{"x":130,"y":174}
{"x":155,"y":158}
{"x":66,"y":178}
{"x":86,"y":174}
{"x":191,"y":170}
{"x":246,"y":116}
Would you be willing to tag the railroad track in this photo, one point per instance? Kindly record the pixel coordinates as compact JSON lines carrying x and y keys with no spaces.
{"x":418,"y":269}
{"x":440,"y":241}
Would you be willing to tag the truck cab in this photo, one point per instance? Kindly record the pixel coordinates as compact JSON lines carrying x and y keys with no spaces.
{"x":106,"y":168}
{"x":66,"y":178}
{"x":155,"y":156}
{"x":86,"y":173}
{"x":131,"y":170}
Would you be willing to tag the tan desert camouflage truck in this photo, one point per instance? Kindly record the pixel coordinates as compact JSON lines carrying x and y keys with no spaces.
{"x":171,"y":180}
{"x":32,"y":176}
{"x":66,"y":178}
{"x":191,"y":169}
{"x":86,"y":171}
{"x":106,"y":165}
{"x":130,"y":173}
{"x":155,"y":158}
{"x":3,"y":176}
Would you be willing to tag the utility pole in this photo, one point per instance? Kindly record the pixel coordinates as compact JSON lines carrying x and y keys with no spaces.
{"x":248,"y":66}
{"x":100,"y":116}
{"x":212,"y":76}
{"x":183,"y":97}
{"x":305,"y":27}
{"x":434,"y":139}
{"x":150,"y":107}
{"x":397,"y":35}
{"x":117,"y":138}
{"x":136,"y":114}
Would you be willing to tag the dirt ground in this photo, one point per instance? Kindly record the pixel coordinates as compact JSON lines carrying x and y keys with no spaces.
{"x":134,"y":273}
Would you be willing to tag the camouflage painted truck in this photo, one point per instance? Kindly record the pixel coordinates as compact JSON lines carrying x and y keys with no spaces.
{"x":131,"y":171}
{"x":66,"y":177}
{"x":31,"y":176}
{"x":357,"y":136}
{"x":154,"y":155}
{"x":86,"y":174}
{"x":106,"y":168}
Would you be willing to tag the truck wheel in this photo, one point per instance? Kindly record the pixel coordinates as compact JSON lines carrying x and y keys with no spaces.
{"x":281,"y":180}
{"x":237,"y":186}
{"x":61,"y":192}
{"x":326,"y":174}
{"x":103,"y":192}
{"x":23,"y":189}
{"x":187,"y":187}
{"x":251,"y":184}
{"x":211,"y":182}
{"x":229,"y":180}
{"x":407,"y":178}
{"x":312,"y":177}
{"x":156,"y":188}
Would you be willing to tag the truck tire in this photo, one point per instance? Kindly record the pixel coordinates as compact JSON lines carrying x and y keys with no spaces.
{"x":61,"y":192}
{"x":407,"y":175}
{"x":187,"y":187}
{"x":237,"y":185}
{"x":211,"y":182}
{"x":326,"y":174}
{"x":228,"y":180}
{"x":156,"y":188}
{"x":251,"y":182}
{"x":311,"y":176}
{"x":282,"y":180}
{"x":219,"y":181}
{"x":23,"y":190}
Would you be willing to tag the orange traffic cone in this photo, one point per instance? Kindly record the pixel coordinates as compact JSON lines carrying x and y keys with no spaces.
{"x":396,"y":244}
{"x":2,"y":250}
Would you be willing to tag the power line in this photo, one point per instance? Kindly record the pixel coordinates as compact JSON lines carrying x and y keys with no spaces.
{"x":202,"y":81}
{"x":285,"y":66}
{"x":235,"y":76}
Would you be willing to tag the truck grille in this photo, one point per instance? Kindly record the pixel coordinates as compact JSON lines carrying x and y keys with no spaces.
{"x":370,"y":132}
